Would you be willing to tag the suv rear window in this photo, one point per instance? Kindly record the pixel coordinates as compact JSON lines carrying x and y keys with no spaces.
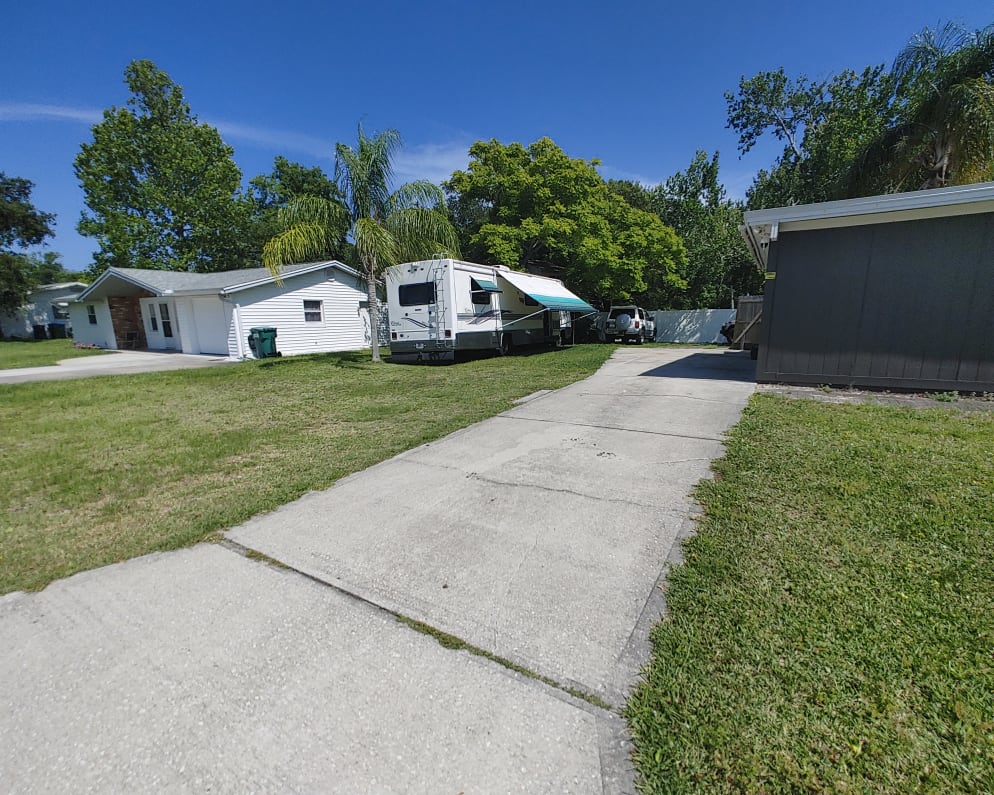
{"x":622,"y":310}
{"x":416,"y":294}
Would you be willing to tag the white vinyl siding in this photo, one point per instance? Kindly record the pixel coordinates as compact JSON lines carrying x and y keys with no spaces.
{"x":344,"y":325}
{"x":85,"y":333}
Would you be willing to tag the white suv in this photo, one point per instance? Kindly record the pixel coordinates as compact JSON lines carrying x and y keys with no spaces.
{"x":629,"y":323}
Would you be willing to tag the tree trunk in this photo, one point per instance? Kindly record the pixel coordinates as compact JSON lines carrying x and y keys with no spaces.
{"x":374,"y":313}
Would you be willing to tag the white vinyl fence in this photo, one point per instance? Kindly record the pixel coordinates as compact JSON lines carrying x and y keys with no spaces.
{"x":691,"y":325}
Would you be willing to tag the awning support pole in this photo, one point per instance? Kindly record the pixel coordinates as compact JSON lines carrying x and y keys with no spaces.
{"x":540,"y":311}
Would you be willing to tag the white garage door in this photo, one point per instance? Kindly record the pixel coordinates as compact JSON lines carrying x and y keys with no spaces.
{"x":212,"y":317}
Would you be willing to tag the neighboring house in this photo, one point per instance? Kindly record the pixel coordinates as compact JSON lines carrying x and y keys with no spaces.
{"x":319,"y":307}
{"x":47,"y":307}
{"x":892,"y":292}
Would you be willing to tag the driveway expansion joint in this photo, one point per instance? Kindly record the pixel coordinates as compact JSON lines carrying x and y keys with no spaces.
{"x":572,"y":692}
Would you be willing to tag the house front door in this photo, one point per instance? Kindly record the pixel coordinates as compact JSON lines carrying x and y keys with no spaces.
{"x":160,"y":324}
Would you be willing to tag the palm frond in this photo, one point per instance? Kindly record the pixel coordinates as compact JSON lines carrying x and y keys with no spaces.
{"x":297,"y":244}
{"x":417,"y":194}
{"x":364,"y":174}
{"x":926,"y":49}
{"x":422,"y":232}
{"x":376,"y":247}
{"x":314,"y":209}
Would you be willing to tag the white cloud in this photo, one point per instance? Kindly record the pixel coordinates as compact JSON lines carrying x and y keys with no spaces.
{"x":27,"y":111}
{"x":432,"y":162}
{"x":609,"y":172}
{"x":280,"y":140}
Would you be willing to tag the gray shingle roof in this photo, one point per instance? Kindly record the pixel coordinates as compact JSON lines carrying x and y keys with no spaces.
{"x":179,"y":281}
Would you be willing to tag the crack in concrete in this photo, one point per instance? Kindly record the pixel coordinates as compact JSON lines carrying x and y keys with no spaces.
{"x":647,"y":395}
{"x":611,"y":428}
{"x":572,"y":492}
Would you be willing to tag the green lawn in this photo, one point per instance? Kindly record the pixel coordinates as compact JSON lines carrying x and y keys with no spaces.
{"x":103,"y":469}
{"x":832,"y":628}
{"x":39,"y":353}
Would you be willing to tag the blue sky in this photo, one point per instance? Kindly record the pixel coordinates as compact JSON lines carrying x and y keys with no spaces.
{"x":638,"y":85}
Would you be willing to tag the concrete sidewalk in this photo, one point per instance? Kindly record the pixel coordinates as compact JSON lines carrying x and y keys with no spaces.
{"x":539,"y":536}
{"x":111,"y":363}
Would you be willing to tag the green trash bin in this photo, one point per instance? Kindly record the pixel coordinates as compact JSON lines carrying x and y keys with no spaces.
{"x":265,"y":341}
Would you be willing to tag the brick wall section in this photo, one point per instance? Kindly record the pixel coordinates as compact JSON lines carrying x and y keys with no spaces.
{"x":126,"y":315}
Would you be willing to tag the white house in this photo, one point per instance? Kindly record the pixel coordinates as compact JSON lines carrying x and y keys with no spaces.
{"x":47,"y":305}
{"x":319,"y":306}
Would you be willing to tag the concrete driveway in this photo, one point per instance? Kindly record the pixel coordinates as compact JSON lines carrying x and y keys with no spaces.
{"x":112,"y":363}
{"x":539,"y":537}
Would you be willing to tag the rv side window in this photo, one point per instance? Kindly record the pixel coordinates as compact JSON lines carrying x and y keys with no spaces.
{"x":416,"y":294}
{"x":478,"y":294}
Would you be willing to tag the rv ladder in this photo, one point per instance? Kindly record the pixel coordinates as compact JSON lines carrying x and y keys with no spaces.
{"x":439,"y":274}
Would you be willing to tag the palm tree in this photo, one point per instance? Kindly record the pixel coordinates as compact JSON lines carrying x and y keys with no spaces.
{"x":384,"y":228}
{"x":943,"y":132}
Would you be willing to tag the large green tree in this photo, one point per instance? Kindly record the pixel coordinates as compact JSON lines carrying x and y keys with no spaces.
{"x":21,"y":225}
{"x":823,"y":126}
{"x":719,"y":266}
{"x":534,"y":208}
{"x":925,"y":123}
{"x":47,"y":268}
{"x":942,"y":132}
{"x":384,"y":227}
{"x":269,"y":193}
{"x":161,"y":188}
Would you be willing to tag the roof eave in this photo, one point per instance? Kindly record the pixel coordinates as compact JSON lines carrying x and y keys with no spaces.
{"x":237,"y":288}
{"x":115,"y":273}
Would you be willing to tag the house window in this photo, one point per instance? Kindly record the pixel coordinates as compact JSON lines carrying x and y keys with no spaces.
{"x":60,"y":311}
{"x":91,"y":314}
{"x":167,"y":323}
{"x":152,"y":319}
{"x":312,"y":311}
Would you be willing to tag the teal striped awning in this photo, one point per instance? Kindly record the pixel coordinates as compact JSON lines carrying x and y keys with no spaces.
{"x":550,"y":293}
{"x":487,"y":285}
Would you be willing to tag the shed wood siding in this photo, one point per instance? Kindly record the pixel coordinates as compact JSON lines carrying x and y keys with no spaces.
{"x":343,"y":325}
{"x":903,"y":305}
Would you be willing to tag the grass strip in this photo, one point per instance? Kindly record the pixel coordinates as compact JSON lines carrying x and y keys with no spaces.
{"x":831,"y":628}
{"x":458,"y":644}
{"x":103,"y":469}
{"x":40,"y":353}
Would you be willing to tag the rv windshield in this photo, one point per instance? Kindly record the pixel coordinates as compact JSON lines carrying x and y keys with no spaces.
{"x":416,"y":294}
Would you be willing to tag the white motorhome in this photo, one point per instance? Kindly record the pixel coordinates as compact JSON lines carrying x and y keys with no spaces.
{"x":441,"y":307}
